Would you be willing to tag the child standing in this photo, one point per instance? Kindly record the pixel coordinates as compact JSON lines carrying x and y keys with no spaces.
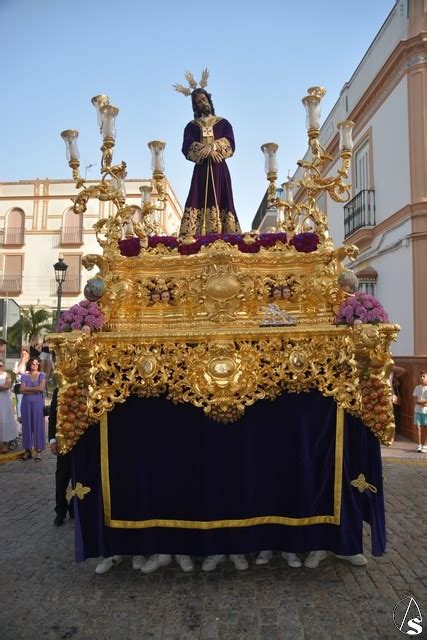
{"x":420,"y":414}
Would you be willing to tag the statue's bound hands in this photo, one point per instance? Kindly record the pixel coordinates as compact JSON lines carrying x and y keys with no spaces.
{"x":204,"y":151}
{"x":216,"y":156}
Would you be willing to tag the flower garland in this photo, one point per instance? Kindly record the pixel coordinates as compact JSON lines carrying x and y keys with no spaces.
{"x":362,"y":307}
{"x":84,"y":313}
{"x":303,"y":242}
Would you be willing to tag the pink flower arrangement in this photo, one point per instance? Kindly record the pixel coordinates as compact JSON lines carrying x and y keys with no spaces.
{"x":81,"y":314}
{"x":361,"y":306}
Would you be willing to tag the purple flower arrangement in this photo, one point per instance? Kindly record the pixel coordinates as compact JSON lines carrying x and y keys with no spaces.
{"x":84,"y":313}
{"x":167,"y":241}
{"x":361,"y":306}
{"x":130,"y":247}
{"x":305,"y":242}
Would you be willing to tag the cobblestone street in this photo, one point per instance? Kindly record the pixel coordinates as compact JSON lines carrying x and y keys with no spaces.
{"x":44,"y":594}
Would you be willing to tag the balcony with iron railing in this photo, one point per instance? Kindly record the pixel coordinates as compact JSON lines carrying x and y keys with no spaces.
{"x":71,"y":235}
{"x":72,"y":285}
{"x":10,"y":284}
{"x":13,"y":236}
{"x":359,"y":212}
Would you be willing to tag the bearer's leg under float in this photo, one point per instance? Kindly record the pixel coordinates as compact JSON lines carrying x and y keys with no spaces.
{"x":315,"y":557}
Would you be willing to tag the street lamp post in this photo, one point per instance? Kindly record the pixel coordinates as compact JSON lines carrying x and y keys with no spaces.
{"x":60,"y":274}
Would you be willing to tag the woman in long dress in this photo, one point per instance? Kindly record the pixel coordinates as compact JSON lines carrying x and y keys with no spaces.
{"x":33,"y":385}
{"x":19,"y":368}
{"x":8,"y":426}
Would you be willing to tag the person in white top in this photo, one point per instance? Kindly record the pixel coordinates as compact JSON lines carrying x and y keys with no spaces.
{"x":19,"y":368}
{"x":420,"y":413}
{"x":8,"y":426}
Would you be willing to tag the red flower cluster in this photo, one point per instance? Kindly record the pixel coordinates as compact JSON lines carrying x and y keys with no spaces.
{"x":305,"y":242}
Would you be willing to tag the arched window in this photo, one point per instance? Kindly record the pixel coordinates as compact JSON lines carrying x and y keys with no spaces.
{"x":71,"y":232}
{"x":368,"y":278}
{"x":15,"y":224}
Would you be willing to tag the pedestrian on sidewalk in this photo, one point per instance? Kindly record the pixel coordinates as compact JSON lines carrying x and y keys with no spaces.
{"x":33,"y":386}
{"x":8,"y":426}
{"x":19,"y":368}
{"x":420,"y":412}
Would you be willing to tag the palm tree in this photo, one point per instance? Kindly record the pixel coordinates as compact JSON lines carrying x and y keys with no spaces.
{"x":31,"y":323}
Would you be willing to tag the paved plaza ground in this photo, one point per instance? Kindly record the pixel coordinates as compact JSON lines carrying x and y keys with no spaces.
{"x":44,"y":594}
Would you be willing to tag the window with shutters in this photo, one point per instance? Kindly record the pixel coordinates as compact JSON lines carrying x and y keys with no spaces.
{"x":11,"y":278}
{"x":71,"y":232}
{"x":359,"y":212}
{"x":72,"y":282}
{"x":362,"y":168}
{"x":14,"y":228}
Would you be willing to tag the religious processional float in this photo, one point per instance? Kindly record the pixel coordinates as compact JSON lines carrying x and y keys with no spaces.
{"x":220,"y":320}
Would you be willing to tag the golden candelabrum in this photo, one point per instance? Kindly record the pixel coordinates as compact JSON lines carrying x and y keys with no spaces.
{"x":294,"y":217}
{"x":111,"y":188}
{"x":220,"y":326}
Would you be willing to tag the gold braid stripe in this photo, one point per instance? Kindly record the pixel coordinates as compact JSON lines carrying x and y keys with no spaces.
{"x":223,"y":524}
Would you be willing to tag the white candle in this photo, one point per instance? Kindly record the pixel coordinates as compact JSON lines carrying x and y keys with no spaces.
{"x":312,"y":106}
{"x":345,"y":129}
{"x":269,"y":150}
{"x":108,"y":117}
{"x":157,"y":163}
{"x":70,"y":138}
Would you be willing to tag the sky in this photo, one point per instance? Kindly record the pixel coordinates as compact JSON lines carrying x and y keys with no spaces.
{"x":57,"y":54}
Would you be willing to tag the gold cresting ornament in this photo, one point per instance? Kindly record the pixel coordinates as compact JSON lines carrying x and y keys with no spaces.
{"x":193,"y":328}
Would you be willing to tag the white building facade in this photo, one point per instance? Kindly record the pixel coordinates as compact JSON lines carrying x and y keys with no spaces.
{"x":386,"y":216}
{"x":37,"y":225}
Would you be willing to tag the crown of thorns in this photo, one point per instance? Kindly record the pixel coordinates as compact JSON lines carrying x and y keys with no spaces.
{"x":192,"y":84}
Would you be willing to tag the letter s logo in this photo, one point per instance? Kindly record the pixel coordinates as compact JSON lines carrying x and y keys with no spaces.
{"x":404,"y":619}
{"x":414,"y":627}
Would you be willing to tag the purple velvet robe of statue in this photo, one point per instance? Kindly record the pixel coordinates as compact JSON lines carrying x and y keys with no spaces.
{"x":209,"y":208}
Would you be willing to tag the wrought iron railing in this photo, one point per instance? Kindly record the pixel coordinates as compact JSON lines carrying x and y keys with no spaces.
{"x":72,"y":284}
{"x":71,"y":235}
{"x":10,"y":284}
{"x":13,"y":235}
{"x":359,"y":212}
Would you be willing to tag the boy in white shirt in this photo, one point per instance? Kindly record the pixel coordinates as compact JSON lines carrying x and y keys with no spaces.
{"x":420,"y":413}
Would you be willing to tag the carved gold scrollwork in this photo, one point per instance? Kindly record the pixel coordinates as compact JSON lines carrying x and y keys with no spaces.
{"x":224,"y":375}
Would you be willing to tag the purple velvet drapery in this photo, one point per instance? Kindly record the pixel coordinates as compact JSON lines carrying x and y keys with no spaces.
{"x":170,"y":461}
